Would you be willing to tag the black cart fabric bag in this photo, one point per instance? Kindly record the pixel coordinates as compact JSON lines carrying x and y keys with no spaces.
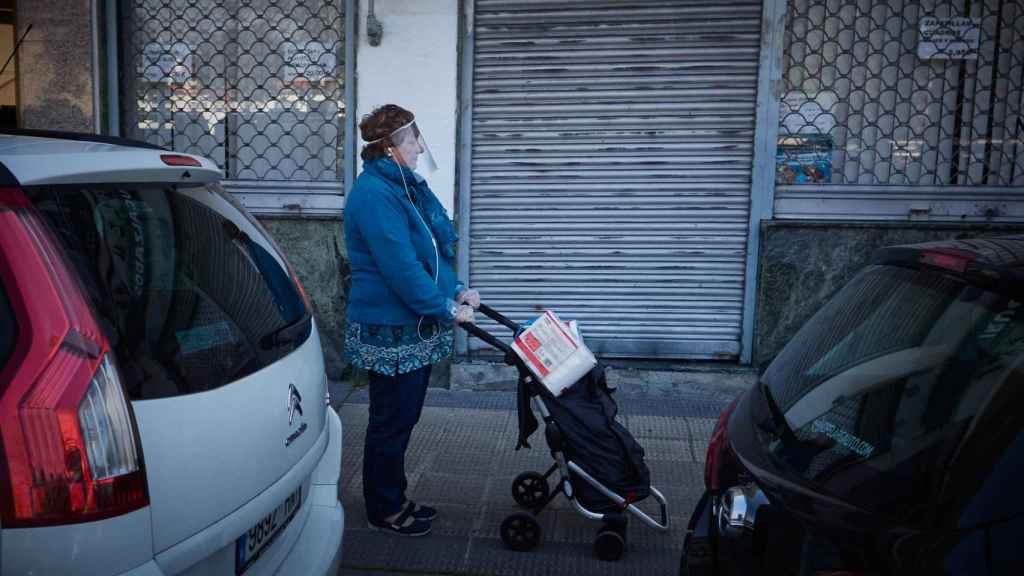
{"x":584,"y":415}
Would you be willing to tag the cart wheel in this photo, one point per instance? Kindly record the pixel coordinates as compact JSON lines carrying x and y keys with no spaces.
{"x":520,"y":532}
{"x":610,"y":543}
{"x":530,"y":489}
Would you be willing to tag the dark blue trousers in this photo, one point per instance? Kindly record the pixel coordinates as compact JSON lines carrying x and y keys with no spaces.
{"x":395,"y":406}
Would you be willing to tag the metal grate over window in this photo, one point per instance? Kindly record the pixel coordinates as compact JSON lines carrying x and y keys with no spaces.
{"x":903,"y":92}
{"x":255,"y":85}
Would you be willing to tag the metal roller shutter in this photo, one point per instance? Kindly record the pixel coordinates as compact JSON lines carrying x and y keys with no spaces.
{"x":612,"y":147}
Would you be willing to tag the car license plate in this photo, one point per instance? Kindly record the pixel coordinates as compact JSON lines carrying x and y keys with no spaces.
{"x":250,"y":545}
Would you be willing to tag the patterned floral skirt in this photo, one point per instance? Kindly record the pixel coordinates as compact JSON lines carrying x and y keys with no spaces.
{"x":392,"y":350}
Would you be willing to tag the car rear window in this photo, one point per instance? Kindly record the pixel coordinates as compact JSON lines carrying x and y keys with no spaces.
{"x":8,"y":329}
{"x":190,"y":292}
{"x":882,"y":310}
{"x":887,"y":378}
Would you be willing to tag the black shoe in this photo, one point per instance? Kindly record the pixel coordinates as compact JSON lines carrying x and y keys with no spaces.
{"x":420,"y":512}
{"x":400,"y":527}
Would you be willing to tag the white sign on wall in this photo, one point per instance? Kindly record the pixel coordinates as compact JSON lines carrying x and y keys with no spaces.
{"x":310,"y":60}
{"x":163,"y":63}
{"x":949,"y":38}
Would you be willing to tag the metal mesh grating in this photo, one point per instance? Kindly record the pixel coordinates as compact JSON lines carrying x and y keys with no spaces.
{"x":875,"y":93}
{"x":255,"y":85}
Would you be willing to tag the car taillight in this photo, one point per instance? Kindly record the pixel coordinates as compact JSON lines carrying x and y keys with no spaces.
{"x":302,"y":291}
{"x":180,"y":160}
{"x":954,"y":260}
{"x":68,"y":449}
{"x":719,"y":464}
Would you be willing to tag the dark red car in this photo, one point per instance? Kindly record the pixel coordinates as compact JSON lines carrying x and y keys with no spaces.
{"x":888,"y":435}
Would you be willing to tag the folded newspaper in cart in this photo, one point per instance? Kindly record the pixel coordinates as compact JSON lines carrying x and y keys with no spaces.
{"x":554,"y":352}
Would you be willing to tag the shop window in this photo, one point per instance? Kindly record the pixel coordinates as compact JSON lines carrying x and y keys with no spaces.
{"x":257,"y":86}
{"x":902,"y":93}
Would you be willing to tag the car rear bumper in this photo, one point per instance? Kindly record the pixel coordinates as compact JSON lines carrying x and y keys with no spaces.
{"x":708,"y":552}
{"x":311,"y":546}
{"x":775,"y":545}
{"x":318,"y":548}
{"x":316,"y":551}
{"x":699,"y":546}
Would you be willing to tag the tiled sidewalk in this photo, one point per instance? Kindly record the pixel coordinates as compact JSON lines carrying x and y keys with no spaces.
{"x":462,"y":460}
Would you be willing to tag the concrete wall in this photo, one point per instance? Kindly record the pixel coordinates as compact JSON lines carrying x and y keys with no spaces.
{"x":416,"y":67}
{"x":803,"y":264}
{"x":55,"y":65}
{"x":315,"y":249}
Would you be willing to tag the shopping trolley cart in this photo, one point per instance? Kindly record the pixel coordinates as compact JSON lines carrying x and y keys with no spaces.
{"x":599,"y":464}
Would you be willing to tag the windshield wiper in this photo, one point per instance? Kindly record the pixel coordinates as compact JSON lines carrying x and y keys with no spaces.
{"x":288,"y":333}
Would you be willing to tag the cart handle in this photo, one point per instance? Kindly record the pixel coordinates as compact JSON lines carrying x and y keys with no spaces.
{"x":510,"y":355}
{"x":500,"y":318}
{"x":486,"y":337}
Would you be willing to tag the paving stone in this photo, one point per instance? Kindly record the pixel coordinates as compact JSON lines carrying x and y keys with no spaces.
{"x":351,"y":465}
{"x":676,"y":472}
{"x":460,"y":489}
{"x":659,"y":427}
{"x":457,"y":520}
{"x":489,"y":556}
{"x":352,"y":572}
{"x":665,"y":449}
{"x":378,"y":551}
{"x":702,"y":427}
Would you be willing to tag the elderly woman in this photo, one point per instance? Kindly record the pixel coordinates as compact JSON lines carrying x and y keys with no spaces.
{"x":402,"y":305}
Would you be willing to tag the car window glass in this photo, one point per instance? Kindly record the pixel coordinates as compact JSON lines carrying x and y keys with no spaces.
{"x":8,"y":328}
{"x":190,"y":294}
{"x":883,"y":387}
{"x":881,"y":310}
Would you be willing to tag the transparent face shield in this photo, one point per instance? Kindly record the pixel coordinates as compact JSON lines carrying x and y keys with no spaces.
{"x":410,"y":148}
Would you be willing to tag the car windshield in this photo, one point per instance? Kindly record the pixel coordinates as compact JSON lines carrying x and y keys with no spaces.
{"x":189,"y":290}
{"x":885,"y":380}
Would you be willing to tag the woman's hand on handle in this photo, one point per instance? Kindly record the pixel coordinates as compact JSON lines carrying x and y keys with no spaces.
{"x":465,"y":315}
{"x":470,"y":297}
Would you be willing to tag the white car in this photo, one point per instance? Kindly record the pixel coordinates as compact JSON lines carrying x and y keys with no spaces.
{"x":163,"y":400}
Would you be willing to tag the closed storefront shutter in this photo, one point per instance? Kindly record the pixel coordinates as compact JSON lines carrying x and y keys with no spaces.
{"x":612,"y":147}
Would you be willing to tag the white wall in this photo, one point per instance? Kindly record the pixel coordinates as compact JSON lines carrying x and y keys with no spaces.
{"x":415,"y":66}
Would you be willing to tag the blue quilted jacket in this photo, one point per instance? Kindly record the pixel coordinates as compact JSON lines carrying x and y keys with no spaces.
{"x":399,"y":274}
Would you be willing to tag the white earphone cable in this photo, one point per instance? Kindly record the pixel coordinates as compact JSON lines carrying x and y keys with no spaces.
{"x":437,"y":257}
